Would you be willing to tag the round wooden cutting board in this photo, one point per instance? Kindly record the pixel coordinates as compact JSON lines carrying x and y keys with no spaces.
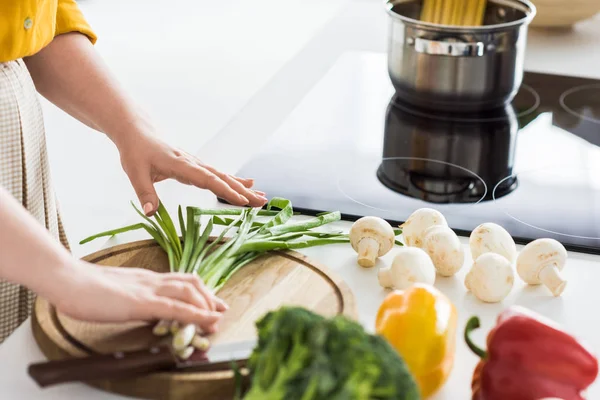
{"x":276,"y":279}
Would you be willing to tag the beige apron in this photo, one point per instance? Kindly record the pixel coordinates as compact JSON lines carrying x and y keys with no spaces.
{"x":24,"y":172}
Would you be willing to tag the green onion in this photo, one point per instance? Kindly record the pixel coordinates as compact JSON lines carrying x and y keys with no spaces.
{"x":199,"y":247}
{"x":113,"y":232}
{"x":216,"y":261}
{"x":229,"y":211}
{"x":193,"y":226}
{"x":226,"y":221}
{"x":181,"y":223}
{"x":285,"y":213}
{"x":305,"y":225}
{"x":163,"y":217}
{"x":265,"y":245}
{"x":163,"y":239}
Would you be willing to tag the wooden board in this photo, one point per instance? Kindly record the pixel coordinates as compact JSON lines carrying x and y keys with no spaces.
{"x":280,"y":278}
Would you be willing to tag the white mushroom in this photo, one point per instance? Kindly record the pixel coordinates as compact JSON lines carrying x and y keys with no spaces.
{"x":492,"y":238}
{"x":444,"y":248}
{"x":491,"y":278}
{"x":416,"y":224}
{"x":540,"y":262}
{"x":410,"y":265}
{"x":371,"y":237}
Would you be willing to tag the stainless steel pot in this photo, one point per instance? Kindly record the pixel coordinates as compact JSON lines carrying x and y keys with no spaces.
{"x":454,"y":68}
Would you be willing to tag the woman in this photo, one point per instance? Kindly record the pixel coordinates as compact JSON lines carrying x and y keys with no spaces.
{"x":46,"y":46}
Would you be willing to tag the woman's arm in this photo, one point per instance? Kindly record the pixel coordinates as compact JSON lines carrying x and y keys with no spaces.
{"x":70,"y":74}
{"x":31,"y":257}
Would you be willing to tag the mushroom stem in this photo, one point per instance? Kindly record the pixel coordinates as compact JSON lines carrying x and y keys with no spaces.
{"x":368,"y":249}
{"x":468,"y":281}
{"x":552,"y":279}
{"x":385,"y":277}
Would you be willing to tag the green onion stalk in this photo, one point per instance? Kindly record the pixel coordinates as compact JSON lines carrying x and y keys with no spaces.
{"x":247,"y":234}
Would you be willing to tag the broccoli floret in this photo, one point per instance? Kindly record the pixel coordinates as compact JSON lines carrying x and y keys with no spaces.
{"x":303,"y":356}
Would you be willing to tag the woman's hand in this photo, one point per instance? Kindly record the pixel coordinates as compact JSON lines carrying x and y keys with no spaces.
{"x":71,"y":75}
{"x":147,"y":160}
{"x":105,"y":294}
{"x":94,"y":293}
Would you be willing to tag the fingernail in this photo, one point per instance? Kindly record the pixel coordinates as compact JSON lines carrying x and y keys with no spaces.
{"x":220,"y":300}
{"x":148,"y":208}
{"x":244,"y":199}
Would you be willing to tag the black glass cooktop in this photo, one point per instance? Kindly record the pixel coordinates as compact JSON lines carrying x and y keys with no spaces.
{"x":532,"y":167}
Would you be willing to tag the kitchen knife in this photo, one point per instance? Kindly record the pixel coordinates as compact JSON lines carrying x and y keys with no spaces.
{"x":158,"y":358}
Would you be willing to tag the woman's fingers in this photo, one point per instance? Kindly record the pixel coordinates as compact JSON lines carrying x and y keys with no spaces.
{"x":200,"y":177}
{"x":144,"y":188}
{"x":256,"y":200}
{"x":221,"y":305}
{"x":199,"y":286}
{"x":240,"y":185}
{"x":180,"y":297}
{"x":184,"y":292}
{"x":169,"y":309}
{"x":247,"y":182}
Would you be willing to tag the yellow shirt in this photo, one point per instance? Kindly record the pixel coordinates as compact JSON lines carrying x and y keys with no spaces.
{"x":27,"y":26}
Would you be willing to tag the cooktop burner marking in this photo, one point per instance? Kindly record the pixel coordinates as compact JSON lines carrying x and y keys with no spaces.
{"x":563,"y":101}
{"x":457,"y":118}
{"x":455,"y":206}
{"x":519,"y":175}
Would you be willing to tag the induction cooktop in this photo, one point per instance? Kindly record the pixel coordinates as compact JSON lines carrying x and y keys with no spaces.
{"x":352,"y":145}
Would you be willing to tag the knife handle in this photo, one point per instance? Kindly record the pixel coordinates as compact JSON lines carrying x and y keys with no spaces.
{"x":105,"y":366}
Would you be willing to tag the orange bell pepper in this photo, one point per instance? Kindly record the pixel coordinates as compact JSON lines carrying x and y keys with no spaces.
{"x":420,"y":323}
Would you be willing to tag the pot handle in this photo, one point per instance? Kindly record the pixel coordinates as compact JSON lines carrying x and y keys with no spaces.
{"x":445,"y":48}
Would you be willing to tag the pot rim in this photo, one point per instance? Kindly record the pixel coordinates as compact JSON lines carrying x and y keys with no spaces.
{"x":530,"y":14}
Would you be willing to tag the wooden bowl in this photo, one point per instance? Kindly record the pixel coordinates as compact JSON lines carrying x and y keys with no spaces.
{"x":563,"y":13}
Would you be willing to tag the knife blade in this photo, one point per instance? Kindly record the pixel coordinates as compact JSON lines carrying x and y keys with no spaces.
{"x":158,"y":358}
{"x":219,"y":356}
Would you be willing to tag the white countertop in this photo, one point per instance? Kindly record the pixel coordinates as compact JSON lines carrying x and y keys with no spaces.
{"x":576,"y":53}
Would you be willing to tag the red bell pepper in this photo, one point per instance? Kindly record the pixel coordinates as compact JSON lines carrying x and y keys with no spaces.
{"x":530,"y":358}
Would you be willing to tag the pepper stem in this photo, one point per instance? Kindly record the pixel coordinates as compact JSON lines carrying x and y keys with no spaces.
{"x":473,"y":324}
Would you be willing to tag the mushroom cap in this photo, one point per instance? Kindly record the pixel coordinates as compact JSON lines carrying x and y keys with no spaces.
{"x":375,"y":228}
{"x":537,"y":255}
{"x":492,"y":238}
{"x":411,"y":265}
{"x":444,"y":248}
{"x":416,"y":224}
{"x":491,"y":278}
